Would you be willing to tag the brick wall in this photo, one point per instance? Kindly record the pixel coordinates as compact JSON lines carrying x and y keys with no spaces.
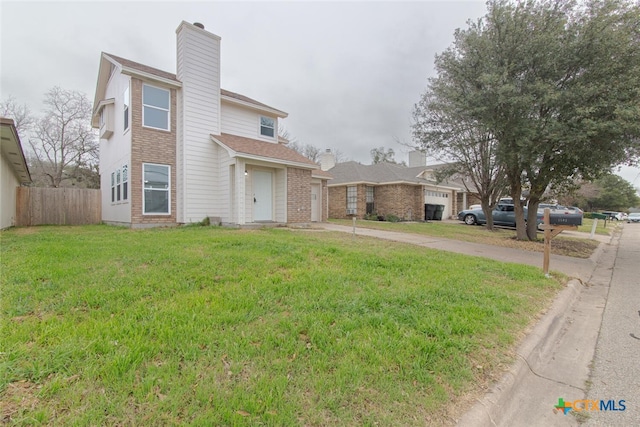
{"x":472,"y":199}
{"x":338,"y":202}
{"x":150,"y":146}
{"x":337,"y":197}
{"x":298,"y":195}
{"x":404,"y":201}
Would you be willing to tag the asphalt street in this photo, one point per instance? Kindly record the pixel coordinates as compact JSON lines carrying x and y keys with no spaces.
{"x":616,"y":368}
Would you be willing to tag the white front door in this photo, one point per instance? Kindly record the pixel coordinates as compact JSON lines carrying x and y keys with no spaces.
{"x":316,"y":203}
{"x":262,"y":196}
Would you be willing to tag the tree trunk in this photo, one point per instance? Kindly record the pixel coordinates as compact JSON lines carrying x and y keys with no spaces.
{"x":488,"y":213}
{"x":532,"y":218}
{"x":521,"y":225}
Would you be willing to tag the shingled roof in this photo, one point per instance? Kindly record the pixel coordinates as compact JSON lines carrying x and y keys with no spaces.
{"x":261,"y":149}
{"x":170,"y":76}
{"x":143,"y":68}
{"x":380,"y":173}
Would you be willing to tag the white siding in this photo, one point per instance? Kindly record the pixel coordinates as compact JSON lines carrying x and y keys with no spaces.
{"x":115,"y":152}
{"x":243,"y":122}
{"x":223,"y":207}
{"x":198,"y":68}
{"x":248,"y":196}
{"x":280,"y":195}
{"x":8,"y":184}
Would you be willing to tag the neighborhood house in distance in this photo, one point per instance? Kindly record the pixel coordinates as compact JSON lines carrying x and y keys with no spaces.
{"x":176,"y":148}
{"x":385,"y":189}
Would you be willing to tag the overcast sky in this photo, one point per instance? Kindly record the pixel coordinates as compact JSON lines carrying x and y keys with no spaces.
{"x":348,"y":73}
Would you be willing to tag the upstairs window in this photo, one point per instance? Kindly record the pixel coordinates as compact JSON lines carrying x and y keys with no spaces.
{"x":267,"y":126}
{"x":126,"y":100}
{"x":155,"y":107}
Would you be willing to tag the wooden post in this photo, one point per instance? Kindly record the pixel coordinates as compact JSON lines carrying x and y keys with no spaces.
{"x":593,"y":228}
{"x":354,"y":226}
{"x":547,"y":242}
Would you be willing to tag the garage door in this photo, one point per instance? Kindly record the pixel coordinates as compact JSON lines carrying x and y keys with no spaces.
{"x":439,"y":198}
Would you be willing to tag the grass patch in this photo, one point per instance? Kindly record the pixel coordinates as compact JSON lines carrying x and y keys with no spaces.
{"x":587,"y":225}
{"x":103,"y":325}
{"x":575,"y":247}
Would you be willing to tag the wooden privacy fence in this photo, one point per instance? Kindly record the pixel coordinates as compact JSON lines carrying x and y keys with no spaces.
{"x":57,"y":206}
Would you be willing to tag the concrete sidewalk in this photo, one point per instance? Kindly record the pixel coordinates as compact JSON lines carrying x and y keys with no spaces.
{"x":555,"y":358}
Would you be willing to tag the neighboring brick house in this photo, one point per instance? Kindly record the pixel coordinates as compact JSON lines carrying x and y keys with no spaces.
{"x":388,"y":189}
{"x":176,"y":148}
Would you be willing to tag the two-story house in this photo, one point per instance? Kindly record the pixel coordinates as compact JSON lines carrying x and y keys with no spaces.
{"x":176,"y":148}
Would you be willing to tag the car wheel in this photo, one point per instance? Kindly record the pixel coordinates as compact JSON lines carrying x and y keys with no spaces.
{"x":470,"y":219}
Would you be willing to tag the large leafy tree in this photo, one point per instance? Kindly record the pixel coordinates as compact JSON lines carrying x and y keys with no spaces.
{"x":615,"y":193}
{"x":556,"y":84}
{"x":442,"y":127}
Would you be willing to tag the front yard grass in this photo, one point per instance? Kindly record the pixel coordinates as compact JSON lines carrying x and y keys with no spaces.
{"x":569,"y":246}
{"x":212,"y":326}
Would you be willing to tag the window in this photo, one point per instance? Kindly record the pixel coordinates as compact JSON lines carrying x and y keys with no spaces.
{"x":156,"y":189}
{"x":118,"y":185}
{"x":113,"y":187}
{"x":370,"y":207}
{"x":352,"y":199}
{"x":155,"y":107}
{"x":127,"y":101}
{"x":125,"y":182}
{"x":267,"y":126}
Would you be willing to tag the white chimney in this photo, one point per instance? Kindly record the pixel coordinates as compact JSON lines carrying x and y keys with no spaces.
{"x":198,"y":117}
{"x":417,"y":158}
{"x":327,"y":160}
{"x":198,"y":68}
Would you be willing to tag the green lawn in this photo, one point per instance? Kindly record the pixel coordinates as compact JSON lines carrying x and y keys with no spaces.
{"x":500,"y":236}
{"x":587,"y":225}
{"x":212,"y":326}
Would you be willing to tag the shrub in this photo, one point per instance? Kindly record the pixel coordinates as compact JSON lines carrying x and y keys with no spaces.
{"x":393,"y":218}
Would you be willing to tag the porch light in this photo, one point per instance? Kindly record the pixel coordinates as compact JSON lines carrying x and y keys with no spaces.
{"x":246,"y":173}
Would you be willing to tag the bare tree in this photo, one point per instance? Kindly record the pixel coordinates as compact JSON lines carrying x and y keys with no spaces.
{"x":339,"y":156}
{"x":382,"y":155}
{"x":21,"y":115}
{"x":63,"y":142}
{"x":311,"y":152}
